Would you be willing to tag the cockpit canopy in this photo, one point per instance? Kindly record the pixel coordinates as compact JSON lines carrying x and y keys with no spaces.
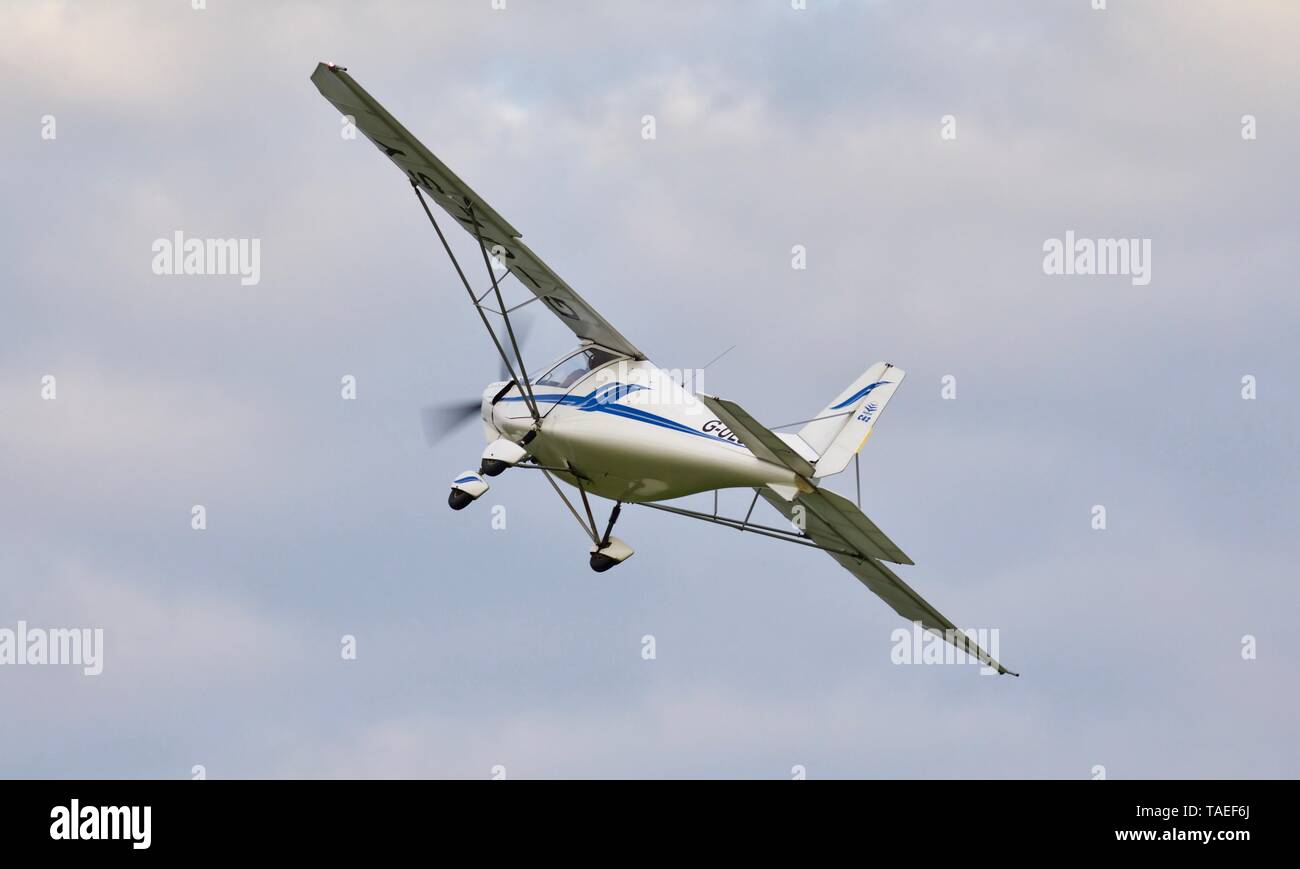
{"x":573,"y":368}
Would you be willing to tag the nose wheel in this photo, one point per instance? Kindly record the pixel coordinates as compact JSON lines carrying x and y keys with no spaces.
{"x":492,"y":467}
{"x":466,"y":489}
{"x":503,"y":453}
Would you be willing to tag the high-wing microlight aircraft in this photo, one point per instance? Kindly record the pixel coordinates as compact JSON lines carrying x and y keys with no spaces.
{"x":607,"y":422}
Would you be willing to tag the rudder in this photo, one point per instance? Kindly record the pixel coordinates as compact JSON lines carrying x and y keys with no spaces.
{"x":843,"y":426}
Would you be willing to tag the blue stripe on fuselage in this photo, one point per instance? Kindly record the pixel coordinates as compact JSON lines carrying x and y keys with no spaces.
{"x":607,"y":403}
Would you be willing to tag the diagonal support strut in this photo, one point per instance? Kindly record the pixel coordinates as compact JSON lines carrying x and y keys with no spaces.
{"x":524,"y":385}
{"x":528,"y":395}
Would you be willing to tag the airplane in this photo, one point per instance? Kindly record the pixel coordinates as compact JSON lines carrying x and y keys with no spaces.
{"x":608,"y":422}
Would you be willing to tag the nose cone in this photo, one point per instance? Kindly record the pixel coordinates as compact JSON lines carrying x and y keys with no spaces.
{"x":485,"y":409}
{"x":508,"y":417}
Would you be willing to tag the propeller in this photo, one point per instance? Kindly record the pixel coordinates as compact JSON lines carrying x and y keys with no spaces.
{"x":440,"y":420}
{"x":522,"y":326}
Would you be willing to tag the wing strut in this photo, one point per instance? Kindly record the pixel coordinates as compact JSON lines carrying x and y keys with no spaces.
{"x":524,"y":385}
{"x":746,"y":525}
{"x":522,"y":381}
{"x":589,"y":531}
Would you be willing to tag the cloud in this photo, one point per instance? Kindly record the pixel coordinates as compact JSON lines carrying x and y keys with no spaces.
{"x":775,"y":128}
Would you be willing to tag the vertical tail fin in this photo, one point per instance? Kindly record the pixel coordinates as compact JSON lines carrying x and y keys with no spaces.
{"x":843,"y":426}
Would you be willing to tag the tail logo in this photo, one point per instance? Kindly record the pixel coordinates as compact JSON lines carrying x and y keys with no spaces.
{"x":860,"y":394}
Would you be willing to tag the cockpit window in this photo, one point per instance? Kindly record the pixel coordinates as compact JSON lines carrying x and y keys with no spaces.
{"x":573,"y":369}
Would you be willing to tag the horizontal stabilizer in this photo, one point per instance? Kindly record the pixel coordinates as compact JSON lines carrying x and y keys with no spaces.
{"x":848,"y":516}
{"x":838,"y":513}
{"x":822,"y":512}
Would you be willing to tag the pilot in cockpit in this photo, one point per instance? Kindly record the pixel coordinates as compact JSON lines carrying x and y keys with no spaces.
{"x":575,"y":367}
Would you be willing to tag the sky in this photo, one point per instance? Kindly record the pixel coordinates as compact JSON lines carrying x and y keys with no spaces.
{"x":1153,"y":647}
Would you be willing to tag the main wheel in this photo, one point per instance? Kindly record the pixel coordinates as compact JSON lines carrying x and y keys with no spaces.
{"x":459,"y":500}
{"x":600,"y":562}
{"x":492,"y":467}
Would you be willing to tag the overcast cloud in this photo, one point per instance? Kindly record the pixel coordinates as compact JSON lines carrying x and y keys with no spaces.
{"x":775,"y":127}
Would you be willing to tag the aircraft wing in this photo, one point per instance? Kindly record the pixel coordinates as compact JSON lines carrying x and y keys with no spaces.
{"x":467,"y":207}
{"x":757,"y":439}
{"x":844,"y":531}
{"x":886,"y":584}
{"x":822,"y":526}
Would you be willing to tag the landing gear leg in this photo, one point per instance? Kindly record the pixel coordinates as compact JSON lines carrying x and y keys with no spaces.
{"x":605,"y":551}
{"x":610,"y":550}
{"x":613,"y":517}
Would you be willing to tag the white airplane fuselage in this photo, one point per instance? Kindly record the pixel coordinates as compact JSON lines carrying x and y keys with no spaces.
{"x":631,"y":433}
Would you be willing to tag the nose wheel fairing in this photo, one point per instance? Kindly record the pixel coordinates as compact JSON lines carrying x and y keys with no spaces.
{"x":465,"y":489}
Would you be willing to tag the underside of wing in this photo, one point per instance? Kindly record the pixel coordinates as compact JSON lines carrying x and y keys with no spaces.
{"x":498,"y":237}
{"x":825,"y":528}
